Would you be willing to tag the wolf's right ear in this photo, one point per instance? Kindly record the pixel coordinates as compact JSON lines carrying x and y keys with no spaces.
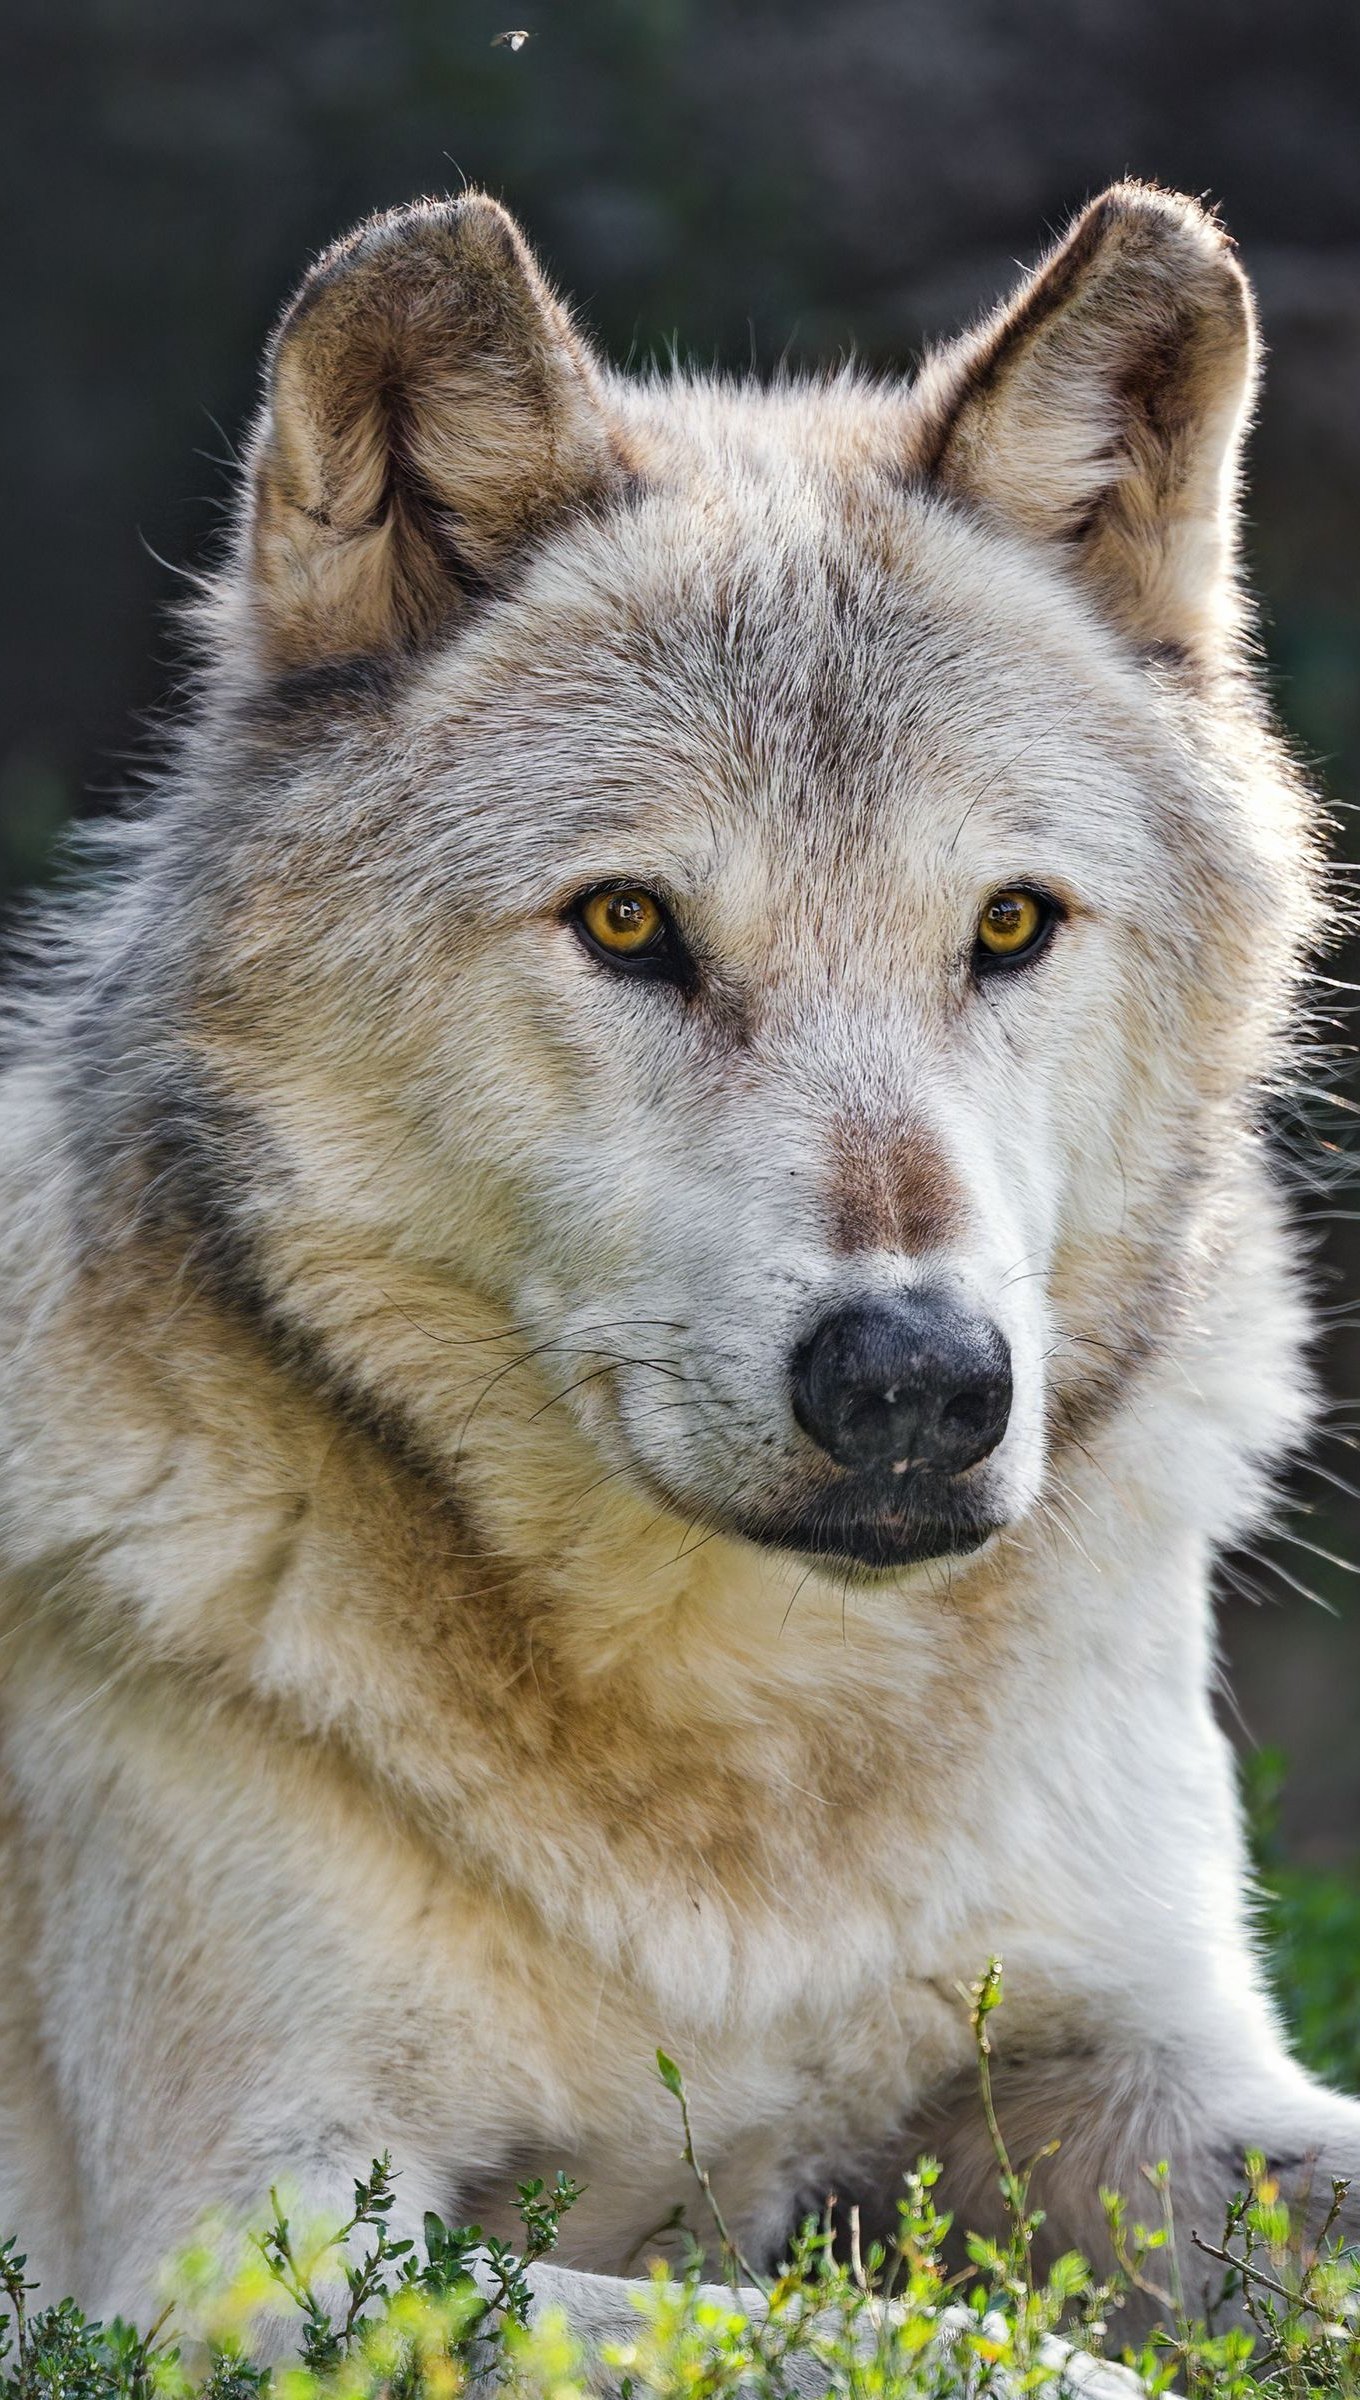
{"x":429,"y":408}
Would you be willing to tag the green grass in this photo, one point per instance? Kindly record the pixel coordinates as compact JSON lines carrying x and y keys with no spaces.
{"x":1311,"y":1924}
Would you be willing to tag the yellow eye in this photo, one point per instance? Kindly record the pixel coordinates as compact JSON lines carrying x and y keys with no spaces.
{"x":623,"y":923}
{"x":1011,"y":923}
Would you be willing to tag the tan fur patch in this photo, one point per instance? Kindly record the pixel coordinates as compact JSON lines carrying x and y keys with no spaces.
{"x":890,"y":1190}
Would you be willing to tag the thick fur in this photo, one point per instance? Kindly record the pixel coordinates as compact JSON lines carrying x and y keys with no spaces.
{"x":417,"y":1702}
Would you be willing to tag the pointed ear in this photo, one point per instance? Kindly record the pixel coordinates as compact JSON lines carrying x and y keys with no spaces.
{"x":1104,"y":409}
{"x":429,"y":409}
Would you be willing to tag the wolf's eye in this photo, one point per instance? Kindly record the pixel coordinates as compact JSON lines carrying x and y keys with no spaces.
{"x":623,"y":923}
{"x":630,"y":928}
{"x":1013,"y":925}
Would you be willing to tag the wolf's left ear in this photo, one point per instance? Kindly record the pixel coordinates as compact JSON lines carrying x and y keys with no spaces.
{"x":429,"y":409}
{"x":1103,"y":409}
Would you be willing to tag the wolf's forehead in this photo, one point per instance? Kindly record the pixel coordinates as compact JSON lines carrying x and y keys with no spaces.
{"x":801,"y":663}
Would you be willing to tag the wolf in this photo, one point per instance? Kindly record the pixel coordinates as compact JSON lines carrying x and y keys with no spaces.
{"x":641,"y":1272}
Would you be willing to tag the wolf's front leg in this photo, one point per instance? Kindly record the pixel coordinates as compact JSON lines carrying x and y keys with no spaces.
{"x":1114,"y":2113}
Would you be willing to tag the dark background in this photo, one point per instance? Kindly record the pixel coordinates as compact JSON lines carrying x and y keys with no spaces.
{"x":748,"y":181}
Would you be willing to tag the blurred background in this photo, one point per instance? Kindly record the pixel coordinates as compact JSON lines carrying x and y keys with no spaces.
{"x":750,"y":183}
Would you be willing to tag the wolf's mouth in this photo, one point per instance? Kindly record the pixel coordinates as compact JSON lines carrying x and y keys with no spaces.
{"x":868,"y":1526}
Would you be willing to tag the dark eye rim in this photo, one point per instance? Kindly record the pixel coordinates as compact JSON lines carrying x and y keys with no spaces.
{"x":987,"y":963}
{"x":664,"y":959}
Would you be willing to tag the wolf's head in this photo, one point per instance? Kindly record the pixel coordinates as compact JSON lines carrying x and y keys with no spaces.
{"x":753,"y":918}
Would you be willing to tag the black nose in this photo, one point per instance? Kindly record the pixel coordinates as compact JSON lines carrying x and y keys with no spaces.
{"x":912,"y":1381}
